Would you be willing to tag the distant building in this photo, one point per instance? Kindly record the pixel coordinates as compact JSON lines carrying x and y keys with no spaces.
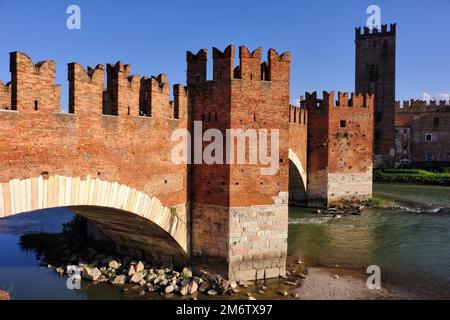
{"x":416,"y":130}
{"x":375,"y":74}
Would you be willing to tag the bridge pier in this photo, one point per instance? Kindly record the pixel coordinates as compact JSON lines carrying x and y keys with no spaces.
{"x":244,"y":243}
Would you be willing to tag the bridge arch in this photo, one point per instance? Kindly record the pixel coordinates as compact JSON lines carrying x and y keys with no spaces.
{"x":297,"y":180}
{"x":86,"y":195}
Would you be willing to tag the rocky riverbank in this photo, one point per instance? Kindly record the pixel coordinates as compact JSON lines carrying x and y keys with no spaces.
{"x":83,"y":266}
{"x":71,"y":256}
{"x":357,"y":207}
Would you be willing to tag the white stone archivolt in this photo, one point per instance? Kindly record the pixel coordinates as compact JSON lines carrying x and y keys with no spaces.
{"x":20,"y":196}
{"x":293,"y":157}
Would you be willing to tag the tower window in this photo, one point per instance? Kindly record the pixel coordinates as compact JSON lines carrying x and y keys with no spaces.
{"x":343,"y":124}
{"x":36,"y":105}
{"x":429,"y":137}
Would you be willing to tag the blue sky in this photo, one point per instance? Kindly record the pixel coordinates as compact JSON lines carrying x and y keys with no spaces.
{"x":153,"y":36}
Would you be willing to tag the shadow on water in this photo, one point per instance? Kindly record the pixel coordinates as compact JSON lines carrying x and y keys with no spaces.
{"x":411,"y":245}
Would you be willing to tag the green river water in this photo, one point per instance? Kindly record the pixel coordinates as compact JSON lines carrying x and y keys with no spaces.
{"x":411,"y":246}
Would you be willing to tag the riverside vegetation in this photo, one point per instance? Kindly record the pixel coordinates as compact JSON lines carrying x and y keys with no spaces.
{"x":437,"y":177}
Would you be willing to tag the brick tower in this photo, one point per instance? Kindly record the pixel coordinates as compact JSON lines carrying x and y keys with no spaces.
{"x":340,"y":148}
{"x":375,"y":74}
{"x":240,"y":216}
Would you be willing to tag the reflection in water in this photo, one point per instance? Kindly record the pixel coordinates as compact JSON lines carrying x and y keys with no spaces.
{"x":412,"y":249}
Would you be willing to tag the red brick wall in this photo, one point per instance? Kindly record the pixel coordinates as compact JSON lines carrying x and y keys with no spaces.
{"x":250,"y":96}
{"x":419,"y":117}
{"x":375,"y":74}
{"x":298,"y":144}
{"x":33,"y":86}
{"x":340,"y":147}
{"x":240,"y":100}
{"x":128,"y":149}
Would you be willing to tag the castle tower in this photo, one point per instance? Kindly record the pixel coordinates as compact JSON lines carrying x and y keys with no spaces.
{"x":340,"y":148}
{"x":375,"y":74}
{"x":239,"y":214}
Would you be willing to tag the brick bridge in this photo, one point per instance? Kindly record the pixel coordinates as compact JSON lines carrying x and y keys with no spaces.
{"x":109,"y":157}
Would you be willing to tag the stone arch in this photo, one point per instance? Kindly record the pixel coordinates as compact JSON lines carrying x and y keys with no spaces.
{"x":297,"y":180}
{"x":33,"y":194}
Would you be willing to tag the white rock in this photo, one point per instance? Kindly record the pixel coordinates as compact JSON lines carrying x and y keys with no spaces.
{"x":140,"y":267}
{"x":113,"y":264}
{"x":92,"y":274}
{"x":137,"y":277}
{"x":187,"y":273}
{"x":184,"y":290}
{"x":119,"y":280}
{"x":170,"y":289}
{"x":212,"y":292}
{"x":193,"y":287}
{"x":131,"y":271}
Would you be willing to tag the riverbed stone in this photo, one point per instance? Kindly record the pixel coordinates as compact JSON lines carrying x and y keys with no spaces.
{"x":193,"y":287}
{"x":169,"y":289}
{"x":137,"y":277}
{"x":140,"y":267}
{"x":212,"y":292}
{"x":131,"y":271}
{"x":119,"y":280}
{"x":92,"y":274}
{"x":187,"y":273}
{"x":113,"y":264}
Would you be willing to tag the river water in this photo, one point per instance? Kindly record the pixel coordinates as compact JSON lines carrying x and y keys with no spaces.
{"x":411,"y":246}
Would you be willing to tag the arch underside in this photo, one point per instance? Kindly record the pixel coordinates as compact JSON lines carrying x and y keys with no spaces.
{"x":118,"y":209}
{"x":297,"y":181}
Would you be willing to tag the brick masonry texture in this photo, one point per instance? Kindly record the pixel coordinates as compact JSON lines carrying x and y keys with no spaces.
{"x":254,"y":95}
{"x":122,"y":161}
{"x":298,"y":159}
{"x":112,"y":151}
{"x":340,"y":147}
{"x":423,"y":131}
{"x":375,"y":74}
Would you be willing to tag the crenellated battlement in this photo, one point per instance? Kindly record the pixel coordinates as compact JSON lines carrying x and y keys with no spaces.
{"x":20,"y":62}
{"x":276,"y":68}
{"x":298,"y":115}
{"x":33,"y":89}
{"x":356,"y":101}
{"x":33,"y":85}
{"x":366,"y":33}
{"x":422,"y":106}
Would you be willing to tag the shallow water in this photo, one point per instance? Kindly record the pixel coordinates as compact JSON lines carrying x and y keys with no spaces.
{"x":411,"y":245}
